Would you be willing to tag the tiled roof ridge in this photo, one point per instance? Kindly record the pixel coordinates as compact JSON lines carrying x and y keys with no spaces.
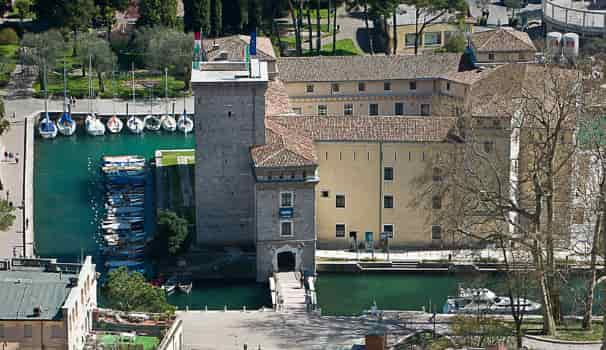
{"x":495,"y":33}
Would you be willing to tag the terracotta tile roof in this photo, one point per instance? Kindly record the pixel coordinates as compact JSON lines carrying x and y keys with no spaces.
{"x":502,"y":39}
{"x":499,"y":91}
{"x":234,"y":46}
{"x":290,"y":139}
{"x":276,"y":99}
{"x":367,"y":68}
{"x":370,"y":128}
{"x":283,"y":148}
{"x":467,"y":77}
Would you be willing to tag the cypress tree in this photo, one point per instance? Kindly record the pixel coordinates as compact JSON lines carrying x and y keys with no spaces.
{"x":216,"y":19}
{"x":197,"y":16}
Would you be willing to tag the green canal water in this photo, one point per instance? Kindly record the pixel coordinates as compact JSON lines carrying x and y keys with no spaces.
{"x":67,"y":206}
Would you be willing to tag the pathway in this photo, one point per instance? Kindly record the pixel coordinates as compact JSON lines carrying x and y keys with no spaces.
{"x":541,"y":345}
{"x":291,"y":292}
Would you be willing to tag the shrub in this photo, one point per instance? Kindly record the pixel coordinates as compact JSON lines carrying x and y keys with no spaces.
{"x":8,"y":36}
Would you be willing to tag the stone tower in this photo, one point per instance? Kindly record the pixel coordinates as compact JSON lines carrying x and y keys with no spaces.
{"x":229,"y":120}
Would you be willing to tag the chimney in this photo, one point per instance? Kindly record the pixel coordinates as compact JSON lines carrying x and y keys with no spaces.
{"x":376,"y":339}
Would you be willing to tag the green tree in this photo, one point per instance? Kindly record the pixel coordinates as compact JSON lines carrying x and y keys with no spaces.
{"x":43,"y":50}
{"x":157,"y":12}
{"x":216,"y":20}
{"x":429,"y":11}
{"x":7,"y":216}
{"x":106,"y":12}
{"x":24,"y":8}
{"x":4,"y":124}
{"x":197,"y":16}
{"x":172,"y":231}
{"x":78,"y":17}
{"x":455,"y":43}
{"x":128,"y":291}
{"x":99,"y":51}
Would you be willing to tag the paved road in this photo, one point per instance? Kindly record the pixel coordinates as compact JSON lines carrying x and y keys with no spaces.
{"x":275,"y":330}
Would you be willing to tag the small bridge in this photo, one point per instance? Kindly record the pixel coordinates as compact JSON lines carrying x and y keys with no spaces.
{"x":291,"y":293}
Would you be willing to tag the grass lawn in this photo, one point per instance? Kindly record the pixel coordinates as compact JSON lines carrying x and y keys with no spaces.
{"x":149,"y":343}
{"x":344,"y":47}
{"x":178,"y":157}
{"x":570,"y":330}
{"x":8,"y":61}
{"x":312,"y":13}
{"x":78,"y":85}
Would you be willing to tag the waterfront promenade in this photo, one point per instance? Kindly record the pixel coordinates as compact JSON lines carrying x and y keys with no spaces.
{"x":16,"y":183}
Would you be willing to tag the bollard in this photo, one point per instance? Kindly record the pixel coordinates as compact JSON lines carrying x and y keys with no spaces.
{"x":224,"y":308}
{"x":186,"y":307}
{"x":244,"y":308}
{"x":205,"y":307}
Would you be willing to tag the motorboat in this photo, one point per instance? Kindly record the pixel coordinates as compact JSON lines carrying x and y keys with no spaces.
{"x":168,"y":123}
{"x":114,"y":124}
{"x":152,"y":123}
{"x":66,"y":125}
{"x":482,"y":300}
{"x":94,"y":126}
{"x":135,"y":125}
{"x":124,"y":160}
{"x":185,"y":286}
{"x":47,"y":127}
{"x":123,"y":263}
{"x":170,"y":286}
{"x":185,"y":124}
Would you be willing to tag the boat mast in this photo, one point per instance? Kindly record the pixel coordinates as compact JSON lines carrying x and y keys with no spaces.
{"x":166,"y":90}
{"x":133,"y":76}
{"x":90,"y":84}
{"x":114,"y":90}
{"x":45,"y":93}
{"x":64,"y":88}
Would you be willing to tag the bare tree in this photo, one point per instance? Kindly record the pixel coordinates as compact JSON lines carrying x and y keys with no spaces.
{"x":508,"y":183}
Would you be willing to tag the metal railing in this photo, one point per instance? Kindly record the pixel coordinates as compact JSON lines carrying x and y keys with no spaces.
{"x":577,"y":20}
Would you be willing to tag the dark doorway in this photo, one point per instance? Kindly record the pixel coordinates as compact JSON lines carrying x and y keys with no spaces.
{"x":286,"y":261}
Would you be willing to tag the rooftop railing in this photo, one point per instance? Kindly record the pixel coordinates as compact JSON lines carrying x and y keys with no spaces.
{"x":576,"y":20}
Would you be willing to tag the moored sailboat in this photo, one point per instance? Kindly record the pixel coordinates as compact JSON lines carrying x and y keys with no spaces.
{"x":114,"y":124}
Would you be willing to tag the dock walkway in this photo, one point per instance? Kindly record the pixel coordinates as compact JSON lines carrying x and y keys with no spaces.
{"x":292,"y":296}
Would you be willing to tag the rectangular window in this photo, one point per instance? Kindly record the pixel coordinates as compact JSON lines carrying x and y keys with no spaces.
{"x":388,"y":201}
{"x":389,"y":229}
{"x":335,"y":87}
{"x":309,"y":88}
{"x":412,"y":85}
{"x":348,"y":109}
{"x":409,"y":39}
{"x":425,"y":110}
{"x":437,"y":174}
{"x":340,"y":230}
{"x":2,"y":331}
{"x":27,"y":331}
{"x":436,"y":232}
{"x":399,"y":108}
{"x":324,"y":194}
{"x":286,"y":199}
{"x":340,"y":201}
{"x":488,"y":146}
{"x":491,"y":56}
{"x":297,"y":110}
{"x":387,"y":86}
{"x":286,"y":228}
{"x":432,"y":38}
{"x":361,"y":86}
{"x":388,"y":174}
{"x":373,"y":109}
{"x":447,"y":86}
{"x":436,"y":202}
{"x":322,"y":110}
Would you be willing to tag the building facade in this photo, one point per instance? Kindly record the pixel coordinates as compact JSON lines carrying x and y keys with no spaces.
{"x":46,"y":305}
{"x":502,"y":45}
{"x":371,"y":85}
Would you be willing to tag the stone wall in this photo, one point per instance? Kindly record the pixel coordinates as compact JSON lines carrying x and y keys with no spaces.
{"x":229,"y":118}
{"x":269,"y":241}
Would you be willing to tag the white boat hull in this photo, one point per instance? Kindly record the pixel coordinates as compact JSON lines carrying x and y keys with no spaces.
{"x":67,"y":129}
{"x":94,"y":126}
{"x":114,"y":125}
{"x":185,"y":124}
{"x":152,"y":123}
{"x":135,"y":125}
{"x":169,"y":124}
